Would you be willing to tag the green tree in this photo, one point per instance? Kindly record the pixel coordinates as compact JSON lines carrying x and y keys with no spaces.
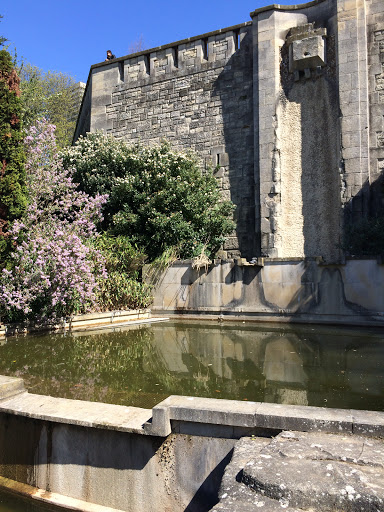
{"x":52,"y":95}
{"x":158,"y":198}
{"x":2,"y":39}
{"x":13,"y":195}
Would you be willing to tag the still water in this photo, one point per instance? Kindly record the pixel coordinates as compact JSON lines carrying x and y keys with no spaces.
{"x":142,"y":365}
{"x":13,"y":503}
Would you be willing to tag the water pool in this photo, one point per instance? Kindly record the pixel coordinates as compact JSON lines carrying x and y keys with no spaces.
{"x":12,"y":503}
{"x":142,"y":365}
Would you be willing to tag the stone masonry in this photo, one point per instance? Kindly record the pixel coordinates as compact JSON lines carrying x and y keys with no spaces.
{"x":287,"y":109}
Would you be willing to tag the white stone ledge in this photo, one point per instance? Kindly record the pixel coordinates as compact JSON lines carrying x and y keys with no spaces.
{"x":262,"y":416}
{"x":90,"y":321}
{"x":51,"y":498}
{"x":203,"y":412}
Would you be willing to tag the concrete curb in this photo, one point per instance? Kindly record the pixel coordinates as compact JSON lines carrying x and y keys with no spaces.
{"x":90,"y":321}
{"x":218,"y":418}
{"x":51,"y":498}
{"x":257,"y":415}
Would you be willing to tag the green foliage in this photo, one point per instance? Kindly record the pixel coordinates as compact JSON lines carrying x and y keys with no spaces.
{"x":122,"y":290}
{"x":120,"y":254}
{"x":51,"y":95}
{"x":157,"y":197}
{"x":2,"y":39}
{"x":365,"y":238}
{"x":13,"y":198}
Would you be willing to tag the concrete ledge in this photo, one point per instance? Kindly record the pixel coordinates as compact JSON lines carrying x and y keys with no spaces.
{"x":264,"y":416}
{"x":86,"y":322}
{"x":200,"y":414}
{"x":77,"y":412}
{"x":10,"y":386}
{"x":278,"y":7}
{"x":51,"y":498}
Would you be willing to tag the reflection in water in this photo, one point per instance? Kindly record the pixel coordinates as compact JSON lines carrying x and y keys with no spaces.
{"x":140,"y":366}
{"x":13,"y":503}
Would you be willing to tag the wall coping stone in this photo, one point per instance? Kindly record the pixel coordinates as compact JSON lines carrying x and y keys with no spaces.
{"x":262,"y":415}
{"x":279,"y":7}
{"x":204,"y":411}
{"x":175,"y":43}
{"x":90,"y":321}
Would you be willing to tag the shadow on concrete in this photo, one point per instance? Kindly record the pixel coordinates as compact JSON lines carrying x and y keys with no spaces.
{"x":234,"y":89}
{"x":207,"y":496}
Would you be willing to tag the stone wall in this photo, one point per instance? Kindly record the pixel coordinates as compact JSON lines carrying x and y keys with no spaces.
{"x":287,"y":108}
{"x":198,"y":95}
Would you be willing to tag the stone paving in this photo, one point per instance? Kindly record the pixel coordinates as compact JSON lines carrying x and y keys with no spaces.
{"x":305,"y":471}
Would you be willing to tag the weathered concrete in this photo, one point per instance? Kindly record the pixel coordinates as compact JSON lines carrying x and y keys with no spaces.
{"x":293,"y":289}
{"x":125,"y":457}
{"x":304,"y":471}
{"x":260,"y":416}
{"x":86,"y":322}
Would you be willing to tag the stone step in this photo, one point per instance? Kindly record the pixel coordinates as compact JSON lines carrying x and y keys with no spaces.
{"x":10,"y":386}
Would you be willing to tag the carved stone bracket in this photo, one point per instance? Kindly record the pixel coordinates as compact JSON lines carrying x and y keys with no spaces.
{"x":306,"y":50}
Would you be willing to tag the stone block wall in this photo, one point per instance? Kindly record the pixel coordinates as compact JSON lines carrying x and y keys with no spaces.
{"x":197,"y":94}
{"x":287,"y":108}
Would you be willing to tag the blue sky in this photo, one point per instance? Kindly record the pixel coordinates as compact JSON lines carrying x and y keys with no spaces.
{"x":71,"y":35}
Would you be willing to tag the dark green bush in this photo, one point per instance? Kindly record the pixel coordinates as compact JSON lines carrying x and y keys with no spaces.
{"x":158,"y":198}
{"x":122,"y":289}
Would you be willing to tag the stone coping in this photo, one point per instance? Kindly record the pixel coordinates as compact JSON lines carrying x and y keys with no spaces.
{"x":90,"y":321}
{"x":173,"y":44}
{"x":279,"y":7}
{"x":51,"y":498}
{"x":203,"y":412}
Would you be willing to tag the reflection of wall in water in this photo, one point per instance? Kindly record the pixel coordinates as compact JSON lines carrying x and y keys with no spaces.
{"x":291,"y":367}
{"x":267,"y":360}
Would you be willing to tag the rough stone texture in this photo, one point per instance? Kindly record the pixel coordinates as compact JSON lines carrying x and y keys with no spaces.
{"x":304,"y":471}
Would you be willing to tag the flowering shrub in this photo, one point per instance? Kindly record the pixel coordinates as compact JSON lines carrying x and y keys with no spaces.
{"x":55,"y":268}
{"x":157,"y":197}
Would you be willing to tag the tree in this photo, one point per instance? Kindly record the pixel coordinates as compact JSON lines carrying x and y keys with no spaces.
{"x":137,"y":46}
{"x":55,"y":268}
{"x":158,"y":198}
{"x":13,"y":194}
{"x":52,"y":95}
{"x":2,"y":39}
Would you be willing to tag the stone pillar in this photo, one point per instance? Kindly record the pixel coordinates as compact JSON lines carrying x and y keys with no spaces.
{"x":269,"y":32}
{"x":353,"y":96}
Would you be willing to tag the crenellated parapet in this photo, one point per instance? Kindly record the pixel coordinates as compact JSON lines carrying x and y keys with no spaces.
{"x":188,"y":55}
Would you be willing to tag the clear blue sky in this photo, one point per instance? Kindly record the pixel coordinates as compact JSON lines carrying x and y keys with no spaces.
{"x":71,"y":35}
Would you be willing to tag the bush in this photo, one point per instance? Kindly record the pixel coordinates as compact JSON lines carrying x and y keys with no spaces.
{"x":157,"y":197}
{"x":123,"y":261}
